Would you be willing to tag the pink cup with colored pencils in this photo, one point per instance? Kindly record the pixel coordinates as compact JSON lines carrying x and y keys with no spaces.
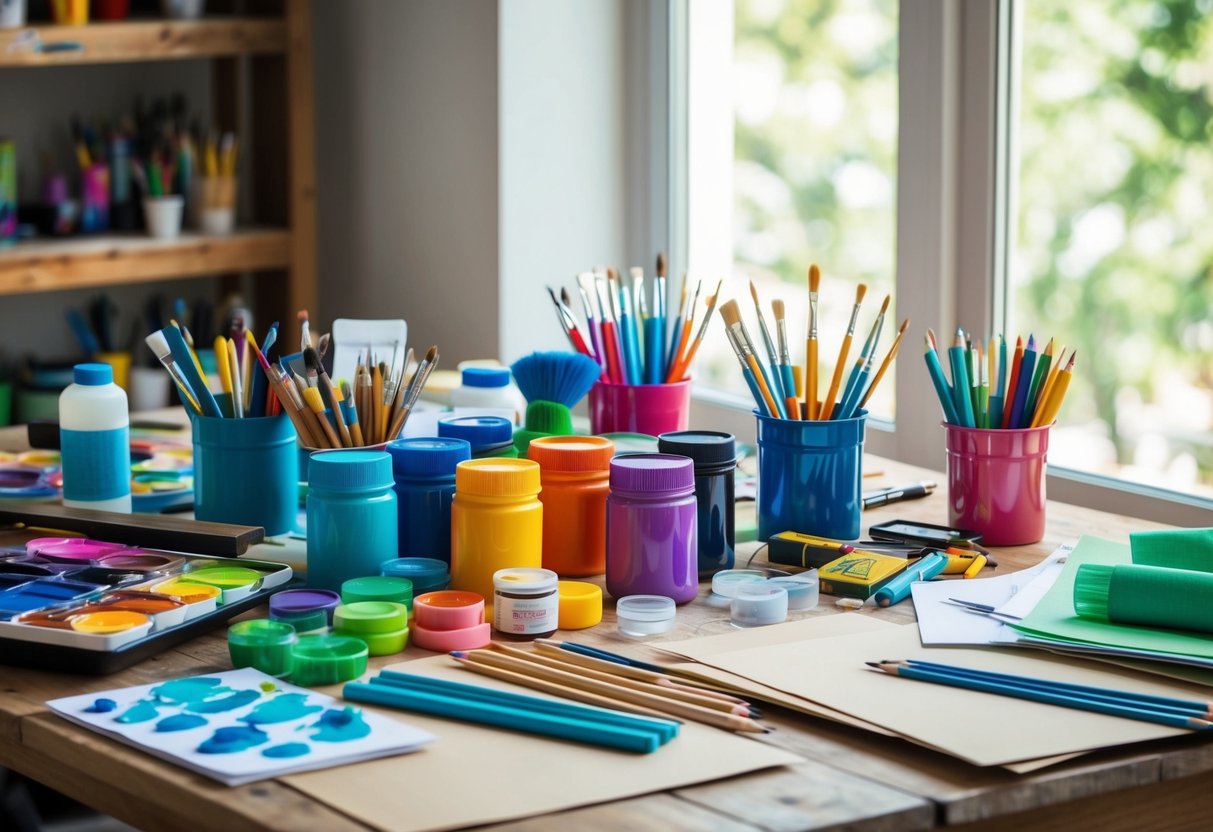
{"x":996,"y":482}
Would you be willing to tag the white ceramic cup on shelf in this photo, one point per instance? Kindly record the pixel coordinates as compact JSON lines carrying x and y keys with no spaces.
{"x":12,"y":14}
{"x":148,"y":388}
{"x":183,"y":9}
{"x":218,"y":221}
{"x":163,"y":216}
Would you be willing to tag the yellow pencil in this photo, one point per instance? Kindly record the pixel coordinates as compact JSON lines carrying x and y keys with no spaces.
{"x":1058,"y":393}
{"x":1047,"y":387}
{"x":225,"y":368}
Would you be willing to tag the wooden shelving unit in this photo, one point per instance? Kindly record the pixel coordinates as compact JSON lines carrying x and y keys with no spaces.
{"x":266,"y":53}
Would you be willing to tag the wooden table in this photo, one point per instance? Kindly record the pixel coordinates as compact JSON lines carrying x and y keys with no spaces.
{"x":851,"y":779}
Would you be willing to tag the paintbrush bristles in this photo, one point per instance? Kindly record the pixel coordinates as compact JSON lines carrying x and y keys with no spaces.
{"x":778,"y":308}
{"x":731,"y":313}
{"x":754,"y":292}
{"x":814,"y":277}
{"x":860,"y":291}
{"x":884,"y":307}
{"x":661,"y":265}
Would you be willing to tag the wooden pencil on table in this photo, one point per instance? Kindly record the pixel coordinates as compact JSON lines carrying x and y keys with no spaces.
{"x":620,"y":694}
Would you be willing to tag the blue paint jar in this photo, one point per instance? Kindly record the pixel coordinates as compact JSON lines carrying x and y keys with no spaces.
{"x":489,"y":436}
{"x":424,"y":471}
{"x":809,"y":476}
{"x":351,"y":516}
{"x":715,"y":457}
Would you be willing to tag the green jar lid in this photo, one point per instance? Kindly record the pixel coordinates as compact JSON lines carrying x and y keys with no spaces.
{"x":327,"y":659}
{"x":370,"y":617}
{"x":377,"y":588}
{"x":264,"y":644}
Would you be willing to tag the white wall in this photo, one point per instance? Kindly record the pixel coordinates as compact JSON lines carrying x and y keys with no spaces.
{"x":407,"y":168}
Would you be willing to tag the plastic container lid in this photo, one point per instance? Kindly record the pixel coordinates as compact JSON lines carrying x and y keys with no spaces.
{"x":525,"y":580}
{"x":349,"y":470}
{"x":295,"y":603}
{"x":477,"y":430}
{"x":428,"y":456}
{"x":644,"y":615}
{"x":572,"y":454}
{"x":496,"y":450}
{"x":709,"y":449}
{"x":485,"y":377}
{"x":426,"y":574}
{"x":448,"y":609}
{"x":261,"y":632}
{"x":580,"y":604}
{"x":652,"y":474}
{"x":803,"y":590}
{"x":370,"y":617}
{"x":727,"y":581}
{"x":377,"y":588}
{"x":444,"y":641}
{"x":759,"y":604}
{"x":308,"y":621}
{"x":93,"y":375}
{"x":498,"y":477}
{"x":327,"y":659}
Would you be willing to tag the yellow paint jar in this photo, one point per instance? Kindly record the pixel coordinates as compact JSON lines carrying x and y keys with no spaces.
{"x":496,"y":521}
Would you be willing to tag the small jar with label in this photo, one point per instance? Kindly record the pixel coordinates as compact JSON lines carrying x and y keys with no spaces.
{"x":526,"y":602}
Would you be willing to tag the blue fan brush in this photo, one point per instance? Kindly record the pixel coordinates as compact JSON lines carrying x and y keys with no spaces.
{"x":552,"y":382}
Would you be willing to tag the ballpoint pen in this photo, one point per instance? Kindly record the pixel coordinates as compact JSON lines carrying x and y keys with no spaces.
{"x":884,"y":496}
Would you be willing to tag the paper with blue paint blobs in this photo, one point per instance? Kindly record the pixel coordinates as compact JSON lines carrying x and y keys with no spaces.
{"x":239,"y":726}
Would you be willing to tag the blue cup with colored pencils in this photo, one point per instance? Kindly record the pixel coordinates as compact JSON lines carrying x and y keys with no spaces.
{"x":997,"y":416}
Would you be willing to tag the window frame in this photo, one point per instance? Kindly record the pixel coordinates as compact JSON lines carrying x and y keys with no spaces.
{"x":958,"y":109}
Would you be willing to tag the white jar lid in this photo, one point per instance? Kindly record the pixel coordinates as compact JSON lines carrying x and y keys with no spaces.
{"x":727,"y":581}
{"x":525,"y":580}
{"x":645,"y":608}
{"x":758,"y":604}
{"x":803,"y":589}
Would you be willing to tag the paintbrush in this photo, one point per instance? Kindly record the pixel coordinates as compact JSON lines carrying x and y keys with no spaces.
{"x":810,"y":362}
{"x":305,"y":334}
{"x":884,"y":365}
{"x":827,"y":405}
{"x":784,"y":368}
{"x":745,"y":352}
{"x":682,"y":367}
{"x":416,"y":385}
{"x":774,"y":382}
{"x":863,"y":365}
{"x":311,"y":358}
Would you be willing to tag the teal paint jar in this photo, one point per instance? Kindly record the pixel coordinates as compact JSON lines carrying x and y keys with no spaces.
{"x":351,"y":516}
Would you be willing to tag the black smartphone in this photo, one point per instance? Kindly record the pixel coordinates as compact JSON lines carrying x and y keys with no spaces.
{"x":923,"y":534}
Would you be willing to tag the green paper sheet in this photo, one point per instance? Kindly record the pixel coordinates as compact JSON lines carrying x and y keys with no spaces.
{"x":1054,"y":616}
{"x":1175,"y":548}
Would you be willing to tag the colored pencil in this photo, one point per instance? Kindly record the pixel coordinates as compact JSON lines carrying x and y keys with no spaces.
{"x":1038,"y":379}
{"x":1012,"y":383}
{"x":942,"y":389}
{"x":1041,"y":690}
{"x":1026,"y":367}
{"x":1058,"y":393}
{"x":998,"y":388}
{"x":827,"y":404}
{"x":1047,"y":387}
{"x":961,"y":389}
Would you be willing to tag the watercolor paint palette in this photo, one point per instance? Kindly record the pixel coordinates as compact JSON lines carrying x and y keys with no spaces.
{"x":240,"y":726}
{"x":90,"y":606}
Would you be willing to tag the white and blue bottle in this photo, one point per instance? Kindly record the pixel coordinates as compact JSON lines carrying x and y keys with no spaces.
{"x":94,"y":435}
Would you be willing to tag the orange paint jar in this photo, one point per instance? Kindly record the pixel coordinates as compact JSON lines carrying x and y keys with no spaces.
{"x":575,"y":472}
{"x":496,"y":521}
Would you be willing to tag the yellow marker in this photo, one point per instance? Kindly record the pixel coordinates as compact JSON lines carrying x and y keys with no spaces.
{"x":225,"y":367}
{"x":978,"y":564}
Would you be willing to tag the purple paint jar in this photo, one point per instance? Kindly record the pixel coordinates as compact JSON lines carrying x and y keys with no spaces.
{"x":651,"y":527}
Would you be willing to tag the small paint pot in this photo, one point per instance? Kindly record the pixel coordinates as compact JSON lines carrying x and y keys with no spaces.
{"x":327,"y":659}
{"x":31,"y":570}
{"x":580,"y":604}
{"x":726,"y":583}
{"x":444,"y":641}
{"x":449,"y":609}
{"x":105,"y":576}
{"x":759,"y":604}
{"x":24,"y":482}
{"x":235,"y":582}
{"x":304,"y":609}
{"x":139,"y":560}
{"x":42,"y":459}
{"x":641,"y":616}
{"x":378,"y":588}
{"x":264,"y":644}
{"x":383,"y":625}
{"x":109,"y":622}
{"x":427,"y":574}
{"x":803,"y":590}
{"x":71,"y":549}
{"x":164,"y":611}
{"x":198,"y":598}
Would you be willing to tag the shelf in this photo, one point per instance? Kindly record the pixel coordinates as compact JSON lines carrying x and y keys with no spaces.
{"x":113,"y":259}
{"x":150,"y":40}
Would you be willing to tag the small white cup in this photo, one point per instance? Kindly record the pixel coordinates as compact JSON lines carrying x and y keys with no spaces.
{"x":218,"y":221}
{"x":147,"y":388}
{"x":183,"y":9}
{"x":12,"y":14}
{"x":163,"y":216}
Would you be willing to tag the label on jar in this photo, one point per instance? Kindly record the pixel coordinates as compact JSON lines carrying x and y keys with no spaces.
{"x":532,"y":616}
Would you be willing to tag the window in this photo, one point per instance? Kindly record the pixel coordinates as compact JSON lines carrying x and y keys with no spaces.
{"x":1113,"y":248}
{"x":1042,"y":166}
{"x":793,"y":144}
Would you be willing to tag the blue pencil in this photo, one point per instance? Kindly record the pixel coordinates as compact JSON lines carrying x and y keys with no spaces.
{"x":1026,"y":368}
{"x":942,"y":390}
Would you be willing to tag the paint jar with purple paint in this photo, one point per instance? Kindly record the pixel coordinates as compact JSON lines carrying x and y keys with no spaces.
{"x":651,"y":527}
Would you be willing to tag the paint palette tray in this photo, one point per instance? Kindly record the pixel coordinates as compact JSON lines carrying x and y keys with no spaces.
{"x":88,"y":606}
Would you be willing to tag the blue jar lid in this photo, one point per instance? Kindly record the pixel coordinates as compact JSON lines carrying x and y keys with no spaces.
{"x":477,"y":430}
{"x":349,"y":470}
{"x":93,"y":375}
{"x":427,"y":456}
{"x":426,"y":573}
{"x":486,"y":377}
